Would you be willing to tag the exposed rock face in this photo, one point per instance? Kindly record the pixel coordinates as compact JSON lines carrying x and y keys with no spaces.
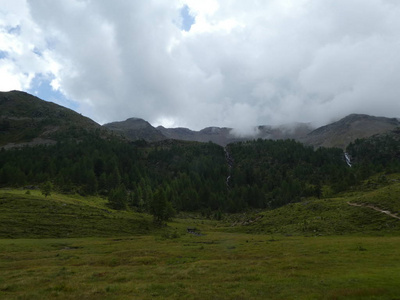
{"x":343,"y":132}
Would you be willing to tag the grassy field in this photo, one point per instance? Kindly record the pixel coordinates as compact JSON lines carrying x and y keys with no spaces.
{"x":70,"y":247}
{"x":217,"y":265}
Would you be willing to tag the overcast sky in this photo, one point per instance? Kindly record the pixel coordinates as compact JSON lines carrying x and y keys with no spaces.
{"x":205,"y":63}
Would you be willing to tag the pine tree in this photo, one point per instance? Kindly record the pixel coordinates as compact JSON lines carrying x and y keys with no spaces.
{"x":118,"y":198}
{"x":160,"y":208}
{"x":46,"y":188}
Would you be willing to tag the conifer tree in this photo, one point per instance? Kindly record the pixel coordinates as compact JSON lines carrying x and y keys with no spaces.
{"x":118,"y":198}
{"x":46,"y":188}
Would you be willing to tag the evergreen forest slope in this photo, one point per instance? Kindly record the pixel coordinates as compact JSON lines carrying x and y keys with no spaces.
{"x":87,"y":213}
{"x":166,"y":177}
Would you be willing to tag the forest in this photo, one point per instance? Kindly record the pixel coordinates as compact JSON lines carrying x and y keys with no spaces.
{"x":171,"y":176}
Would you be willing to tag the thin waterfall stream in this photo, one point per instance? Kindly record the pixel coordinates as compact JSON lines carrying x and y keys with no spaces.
{"x":230,"y":162}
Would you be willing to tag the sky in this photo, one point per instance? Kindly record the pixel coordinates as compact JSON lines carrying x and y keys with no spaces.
{"x":191,"y":63}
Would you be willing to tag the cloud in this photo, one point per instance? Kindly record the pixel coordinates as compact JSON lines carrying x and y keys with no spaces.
{"x":22,"y":46}
{"x":241,"y":63}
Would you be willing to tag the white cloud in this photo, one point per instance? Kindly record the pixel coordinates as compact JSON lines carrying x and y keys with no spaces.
{"x":243,"y":63}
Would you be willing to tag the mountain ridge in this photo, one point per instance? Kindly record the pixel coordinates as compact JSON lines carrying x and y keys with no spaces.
{"x":136,"y":129}
{"x":28,"y":120}
{"x":354,"y":126}
{"x":336,"y":134}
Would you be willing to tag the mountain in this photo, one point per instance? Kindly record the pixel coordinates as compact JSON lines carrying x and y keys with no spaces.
{"x":26,"y":119}
{"x":191,"y":176}
{"x":293,"y":131}
{"x":136,"y":129}
{"x":343,"y":132}
{"x":223,"y":136}
{"x":217,"y":135}
{"x":338,"y":134}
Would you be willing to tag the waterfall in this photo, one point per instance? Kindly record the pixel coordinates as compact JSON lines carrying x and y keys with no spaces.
{"x":229,"y":161}
{"x":348,"y":160}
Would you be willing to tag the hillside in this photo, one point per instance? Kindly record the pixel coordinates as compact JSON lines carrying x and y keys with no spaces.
{"x":217,"y":135}
{"x":334,"y":216}
{"x":370,"y":209}
{"x":26,"y":119}
{"x":343,"y":132}
{"x":224,"y":136}
{"x":33,"y":215}
{"x":182,"y":175}
{"x":345,"y":214}
{"x":194,"y":176}
{"x":136,"y":129}
{"x":273,"y":219}
{"x":338,"y":134}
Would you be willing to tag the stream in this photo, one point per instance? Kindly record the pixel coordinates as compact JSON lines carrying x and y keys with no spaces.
{"x":348,"y":160}
{"x":229,"y":161}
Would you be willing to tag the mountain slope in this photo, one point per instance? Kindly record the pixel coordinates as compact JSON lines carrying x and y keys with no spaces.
{"x":136,"y":129}
{"x":335,"y":216}
{"x":60,"y":216}
{"x":343,"y":132}
{"x":26,"y":119}
{"x":217,"y":135}
{"x":224,"y":136}
{"x":338,"y":134}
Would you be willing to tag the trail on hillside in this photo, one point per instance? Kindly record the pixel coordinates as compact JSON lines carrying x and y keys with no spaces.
{"x":375,"y":208}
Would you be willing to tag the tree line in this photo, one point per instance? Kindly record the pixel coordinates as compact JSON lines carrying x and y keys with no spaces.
{"x":168,"y":176}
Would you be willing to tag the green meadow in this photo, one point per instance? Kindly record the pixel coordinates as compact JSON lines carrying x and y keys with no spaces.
{"x":217,"y":265}
{"x":71,"y":247}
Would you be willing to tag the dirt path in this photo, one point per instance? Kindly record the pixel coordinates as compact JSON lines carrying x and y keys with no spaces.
{"x":376,"y":208}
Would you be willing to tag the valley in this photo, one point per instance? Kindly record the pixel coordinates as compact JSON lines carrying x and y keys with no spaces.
{"x":90,"y":211}
{"x":66,"y":247}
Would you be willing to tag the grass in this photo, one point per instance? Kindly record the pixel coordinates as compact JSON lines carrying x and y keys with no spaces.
{"x":218,"y":265}
{"x":70,"y":247}
{"x":322,"y":217}
{"x":386,"y":196}
{"x":36,"y":216}
{"x":334,"y":216}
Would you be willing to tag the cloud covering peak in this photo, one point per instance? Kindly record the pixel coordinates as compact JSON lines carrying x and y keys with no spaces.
{"x":238,"y":64}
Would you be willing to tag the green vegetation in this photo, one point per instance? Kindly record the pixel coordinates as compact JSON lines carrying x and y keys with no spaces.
{"x":314,"y":249}
{"x":217,"y":265}
{"x":35,"y":216}
{"x":192,"y":176}
{"x":24,"y":117}
{"x":46,"y":188}
{"x":270,"y":174}
{"x":94,"y":216}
